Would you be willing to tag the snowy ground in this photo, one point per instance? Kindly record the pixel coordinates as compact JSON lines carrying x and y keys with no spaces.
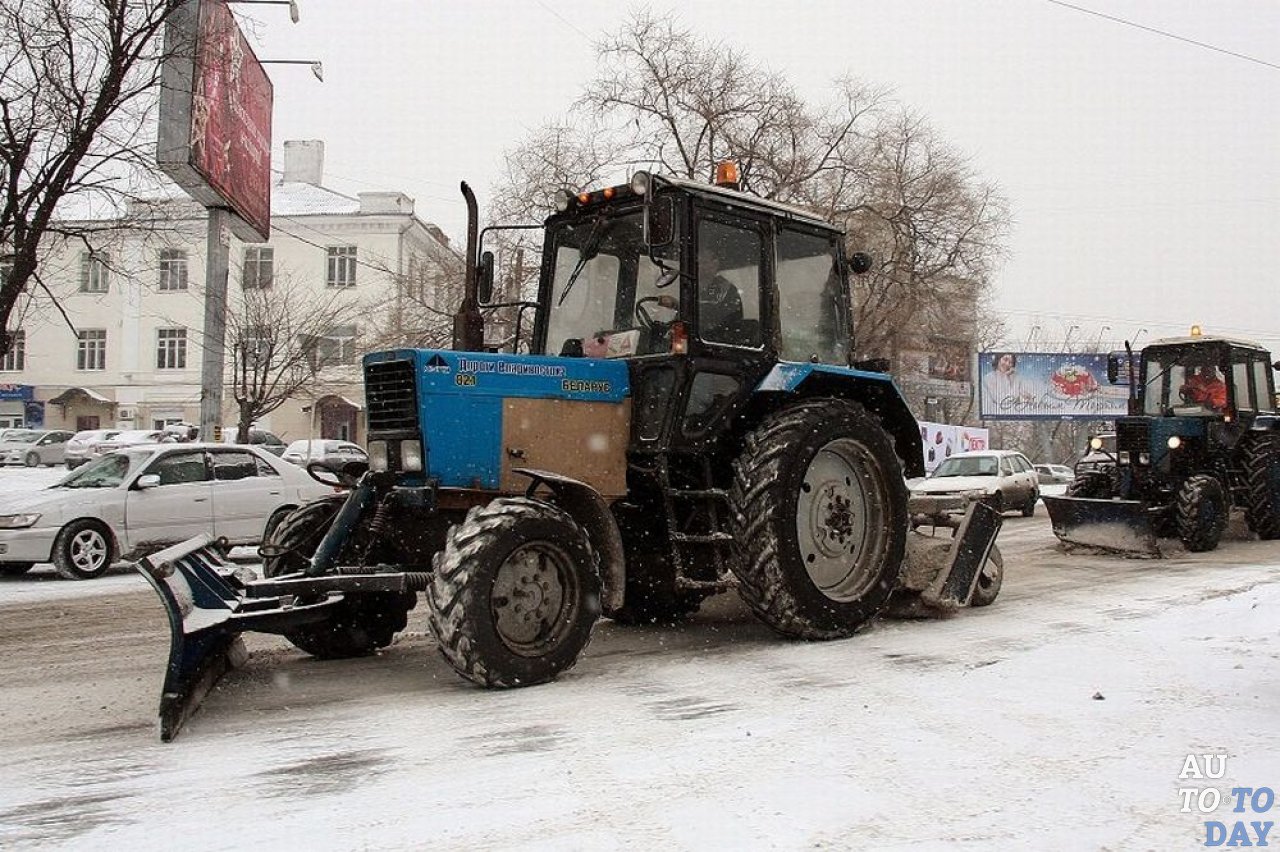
{"x":980,"y":731}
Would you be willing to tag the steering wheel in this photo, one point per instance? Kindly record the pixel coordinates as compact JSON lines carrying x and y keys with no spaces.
{"x":646,"y":320}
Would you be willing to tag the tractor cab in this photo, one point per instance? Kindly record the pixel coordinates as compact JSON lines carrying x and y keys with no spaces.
{"x":1206,"y":377}
{"x":703,"y":290}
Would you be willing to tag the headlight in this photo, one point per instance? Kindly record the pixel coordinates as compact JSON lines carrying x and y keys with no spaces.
{"x":1144,"y":458}
{"x":975,"y":492}
{"x":411,"y":456}
{"x":1175,"y":442}
{"x":17,"y":522}
{"x":640,"y":183}
{"x":377,"y":456}
{"x":1123,"y":457}
{"x":1095,"y":443}
{"x":564,"y":199}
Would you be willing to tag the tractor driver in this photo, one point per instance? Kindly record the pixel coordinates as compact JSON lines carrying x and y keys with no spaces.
{"x":719,"y":302}
{"x":1204,"y":386}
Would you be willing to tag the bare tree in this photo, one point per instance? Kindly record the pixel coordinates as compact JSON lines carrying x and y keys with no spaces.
{"x":668,"y":99}
{"x":419,"y":310}
{"x":278,"y":340}
{"x":78,"y":84}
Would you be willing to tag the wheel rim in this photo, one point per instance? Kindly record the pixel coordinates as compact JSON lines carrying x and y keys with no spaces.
{"x":838,"y":494}
{"x":88,"y":551}
{"x":535,"y":599}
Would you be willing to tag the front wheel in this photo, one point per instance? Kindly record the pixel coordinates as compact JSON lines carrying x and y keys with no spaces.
{"x":515,"y":593}
{"x":361,"y":623}
{"x":83,"y":550}
{"x":819,"y":514}
{"x":32,"y":459}
{"x":1029,"y":508}
{"x":1201,"y":511}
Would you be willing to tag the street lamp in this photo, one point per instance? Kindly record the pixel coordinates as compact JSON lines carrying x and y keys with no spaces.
{"x":1105,"y":329}
{"x":292,"y":4}
{"x":1070,"y":331}
{"x":316,"y":67}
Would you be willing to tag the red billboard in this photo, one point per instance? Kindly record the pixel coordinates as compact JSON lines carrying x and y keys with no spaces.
{"x":215,"y":116}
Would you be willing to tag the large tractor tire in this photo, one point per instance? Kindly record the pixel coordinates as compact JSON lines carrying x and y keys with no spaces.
{"x":819,"y":512}
{"x":651,"y":596}
{"x":1261,"y":461}
{"x":515,"y":594}
{"x":360,"y":624}
{"x":1095,"y":485}
{"x":1201,"y":510}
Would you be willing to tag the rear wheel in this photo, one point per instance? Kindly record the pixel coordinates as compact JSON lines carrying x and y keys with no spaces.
{"x":83,"y":550}
{"x":360,"y":624}
{"x":819,"y":512}
{"x":15,"y":569}
{"x":1201,"y":512}
{"x":515,"y":593}
{"x":1261,"y":462}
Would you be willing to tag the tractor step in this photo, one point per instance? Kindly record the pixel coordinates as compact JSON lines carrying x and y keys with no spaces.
{"x":715,"y":587}
{"x":702,"y":538}
{"x":699,"y":493}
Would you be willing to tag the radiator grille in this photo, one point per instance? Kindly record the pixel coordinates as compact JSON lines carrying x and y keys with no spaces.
{"x":1133,"y":438}
{"x":391,"y":396}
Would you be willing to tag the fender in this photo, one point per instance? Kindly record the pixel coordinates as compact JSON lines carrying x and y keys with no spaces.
{"x":585,"y":505}
{"x":876,"y":391}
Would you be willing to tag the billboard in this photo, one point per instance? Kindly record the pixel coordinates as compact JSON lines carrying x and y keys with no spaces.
{"x":941,"y":441}
{"x":1048,"y":385}
{"x":215,"y":116}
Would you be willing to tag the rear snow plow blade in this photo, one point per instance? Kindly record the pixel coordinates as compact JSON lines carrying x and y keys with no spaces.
{"x":208,"y":609}
{"x":1123,"y":526}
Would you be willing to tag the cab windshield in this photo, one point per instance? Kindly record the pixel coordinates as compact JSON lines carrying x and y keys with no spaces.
{"x":1184,"y":381}
{"x":608,"y":296}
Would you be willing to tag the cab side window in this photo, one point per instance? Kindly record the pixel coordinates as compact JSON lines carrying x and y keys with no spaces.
{"x":729,"y":266}
{"x":809,"y":299}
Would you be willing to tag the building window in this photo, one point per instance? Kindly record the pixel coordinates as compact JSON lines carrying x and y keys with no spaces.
{"x":342,"y":266}
{"x":173,"y":269}
{"x":171,"y":349}
{"x":91,"y":349}
{"x":258,"y":263}
{"x":16,"y":358}
{"x":93,"y":272}
{"x":335,"y":347}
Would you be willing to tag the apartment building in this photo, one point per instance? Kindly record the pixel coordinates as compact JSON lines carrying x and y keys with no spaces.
{"x":122,"y":345}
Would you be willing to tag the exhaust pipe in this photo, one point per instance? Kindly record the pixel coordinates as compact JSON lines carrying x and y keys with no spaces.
{"x":468,"y":323}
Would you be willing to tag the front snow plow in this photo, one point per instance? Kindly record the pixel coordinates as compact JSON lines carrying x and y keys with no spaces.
{"x":1124,"y":526}
{"x":211,"y":601}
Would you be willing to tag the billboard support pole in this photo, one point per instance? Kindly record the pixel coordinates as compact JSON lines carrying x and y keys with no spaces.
{"x":217,"y":261}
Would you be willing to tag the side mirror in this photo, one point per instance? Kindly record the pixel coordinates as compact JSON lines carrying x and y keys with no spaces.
{"x":148,"y":480}
{"x":1276,"y":366}
{"x":860,"y":263}
{"x":484,"y":275}
{"x":1113,"y":369}
{"x":659,"y":221}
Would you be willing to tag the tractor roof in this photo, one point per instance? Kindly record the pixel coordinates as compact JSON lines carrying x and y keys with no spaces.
{"x":753,"y":202}
{"x":1206,"y":339}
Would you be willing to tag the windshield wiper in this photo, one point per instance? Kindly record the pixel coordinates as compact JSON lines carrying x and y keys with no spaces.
{"x":589,"y":250}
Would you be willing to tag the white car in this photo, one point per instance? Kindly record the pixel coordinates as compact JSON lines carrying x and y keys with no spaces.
{"x":34,"y":447}
{"x":328,"y":450}
{"x":140,"y":499}
{"x":1003,"y":479}
{"x":80,"y":448}
{"x":1054,"y":474}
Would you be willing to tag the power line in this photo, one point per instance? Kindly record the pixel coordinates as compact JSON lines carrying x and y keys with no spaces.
{"x":1173,"y":36}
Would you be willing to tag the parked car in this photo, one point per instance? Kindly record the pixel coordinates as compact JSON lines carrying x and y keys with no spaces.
{"x":143,"y":498}
{"x":80,"y":448}
{"x":1002,"y":478}
{"x":269,"y":441}
{"x":332,"y":452}
{"x":1101,"y":457}
{"x":1054,"y":474}
{"x":34,"y":447}
{"x":130,"y":438}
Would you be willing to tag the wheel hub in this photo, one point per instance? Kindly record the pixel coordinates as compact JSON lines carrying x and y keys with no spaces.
{"x":834,"y":514}
{"x":529,"y":597}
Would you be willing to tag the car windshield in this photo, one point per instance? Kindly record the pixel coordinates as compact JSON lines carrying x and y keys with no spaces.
{"x":967,"y":466}
{"x":107,"y":472}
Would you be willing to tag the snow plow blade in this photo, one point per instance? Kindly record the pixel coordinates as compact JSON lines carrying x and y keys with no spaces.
{"x":1120,"y":525}
{"x":208,"y":609}
{"x":953,"y":587}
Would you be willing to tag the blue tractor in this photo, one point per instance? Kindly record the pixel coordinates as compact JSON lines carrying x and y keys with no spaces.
{"x":1202,"y":436}
{"x":688,"y":419}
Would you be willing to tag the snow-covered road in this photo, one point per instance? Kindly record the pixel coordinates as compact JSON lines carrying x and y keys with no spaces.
{"x":982,"y":730}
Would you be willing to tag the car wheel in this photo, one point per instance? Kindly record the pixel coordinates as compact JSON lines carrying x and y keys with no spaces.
{"x":1029,"y":508}
{"x":32,"y":459}
{"x":83,"y":550}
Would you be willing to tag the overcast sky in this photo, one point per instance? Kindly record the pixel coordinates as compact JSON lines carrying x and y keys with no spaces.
{"x":1143,"y":172}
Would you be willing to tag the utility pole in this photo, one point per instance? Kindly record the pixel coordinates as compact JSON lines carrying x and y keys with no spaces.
{"x":217,"y":261}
